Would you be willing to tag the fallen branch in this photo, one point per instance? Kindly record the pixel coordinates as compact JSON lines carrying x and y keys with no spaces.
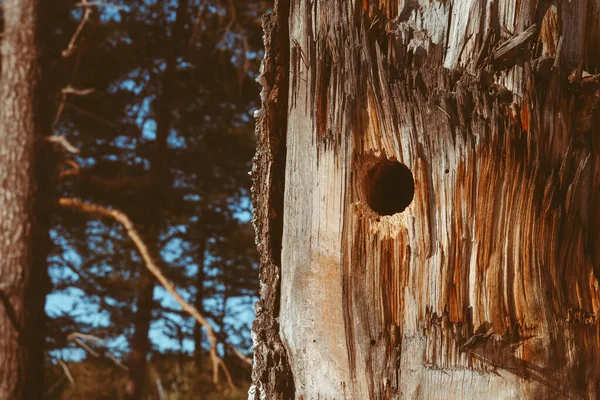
{"x":155,"y":270}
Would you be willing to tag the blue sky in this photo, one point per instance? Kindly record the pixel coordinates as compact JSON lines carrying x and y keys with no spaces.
{"x":60,"y":303}
{"x":63,"y":302}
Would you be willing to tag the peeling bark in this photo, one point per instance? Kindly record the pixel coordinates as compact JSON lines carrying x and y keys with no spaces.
{"x":486,"y":285}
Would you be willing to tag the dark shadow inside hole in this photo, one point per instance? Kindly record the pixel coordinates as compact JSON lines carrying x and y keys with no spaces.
{"x":390,"y":187}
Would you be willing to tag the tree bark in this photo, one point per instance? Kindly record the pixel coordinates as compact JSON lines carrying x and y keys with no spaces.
{"x":23,"y":214}
{"x":199,"y":300}
{"x":442,"y":176}
{"x":271,"y":372}
{"x":140,"y":342}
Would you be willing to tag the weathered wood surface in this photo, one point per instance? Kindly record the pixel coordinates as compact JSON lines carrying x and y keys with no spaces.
{"x":486,"y":286}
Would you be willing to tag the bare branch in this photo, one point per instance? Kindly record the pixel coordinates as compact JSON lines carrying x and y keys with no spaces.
{"x":155,"y":270}
{"x":98,"y":4}
{"x":67,"y":372}
{"x":60,"y":110}
{"x":63,"y":142}
{"x":220,"y":335}
{"x":86,"y":347}
{"x":77,"y":336}
{"x":74,"y":169}
{"x":239,"y":354}
{"x":558,"y":53}
{"x":67,"y":53}
{"x":91,"y":114}
{"x":71,"y":46}
{"x":80,"y":335}
{"x":77,"y":92}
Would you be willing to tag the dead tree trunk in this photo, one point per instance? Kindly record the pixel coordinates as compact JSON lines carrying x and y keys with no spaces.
{"x":436,"y":233}
{"x":23,"y":211}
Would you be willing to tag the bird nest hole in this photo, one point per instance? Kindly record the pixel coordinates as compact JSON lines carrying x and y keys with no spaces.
{"x":389,"y":187}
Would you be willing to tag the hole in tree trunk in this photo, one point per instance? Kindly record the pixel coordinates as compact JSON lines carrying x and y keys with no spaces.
{"x":390,"y":187}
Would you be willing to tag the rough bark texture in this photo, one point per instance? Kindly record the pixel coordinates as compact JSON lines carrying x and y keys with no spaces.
{"x":486,"y":285}
{"x":271,"y":374}
{"x":22,"y":271}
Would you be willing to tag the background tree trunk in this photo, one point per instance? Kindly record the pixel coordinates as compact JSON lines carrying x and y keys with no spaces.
{"x":23,"y":280}
{"x":199,"y":299}
{"x":473,"y":124}
{"x":140,"y":343}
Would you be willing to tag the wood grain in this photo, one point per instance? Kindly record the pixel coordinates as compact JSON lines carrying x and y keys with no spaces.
{"x":500,"y":247}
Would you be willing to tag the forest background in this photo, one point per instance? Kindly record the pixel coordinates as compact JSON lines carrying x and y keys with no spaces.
{"x":155,"y":100}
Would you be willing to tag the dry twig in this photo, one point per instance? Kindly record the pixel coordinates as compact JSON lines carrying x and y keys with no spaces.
{"x":77,"y":336}
{"x":87,"y":348}
{"x":90,"y":114}
{"x":98,"y":4}
{"x":69,"y":52}
{"x":77,"y":92}
{"x":74,"y":169}
{"x":63,"y":142}
{"x":74,"y":335}
{"x":86,"y":16}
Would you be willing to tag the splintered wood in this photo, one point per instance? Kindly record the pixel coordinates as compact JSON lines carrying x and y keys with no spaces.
{"x":486,"y":285}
